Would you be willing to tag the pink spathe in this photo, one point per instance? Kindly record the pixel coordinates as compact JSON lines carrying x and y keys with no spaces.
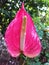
{"x":19,"y":39}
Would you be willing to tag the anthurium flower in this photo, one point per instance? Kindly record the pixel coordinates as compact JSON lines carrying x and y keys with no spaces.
{"x":21,"y":36}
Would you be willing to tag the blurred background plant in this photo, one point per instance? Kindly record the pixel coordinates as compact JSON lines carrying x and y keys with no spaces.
{"x":39,"y":10}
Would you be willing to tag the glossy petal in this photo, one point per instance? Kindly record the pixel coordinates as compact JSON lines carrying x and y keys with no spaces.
{"x":18,"y":40}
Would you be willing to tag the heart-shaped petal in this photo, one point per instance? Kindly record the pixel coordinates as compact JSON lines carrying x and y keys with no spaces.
{"x":21,"y":35}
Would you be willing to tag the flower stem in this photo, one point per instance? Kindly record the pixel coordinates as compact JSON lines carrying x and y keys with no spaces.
{"x":23,"y":62}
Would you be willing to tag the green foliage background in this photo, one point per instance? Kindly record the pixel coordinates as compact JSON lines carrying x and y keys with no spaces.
{"x":8,"y":9}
